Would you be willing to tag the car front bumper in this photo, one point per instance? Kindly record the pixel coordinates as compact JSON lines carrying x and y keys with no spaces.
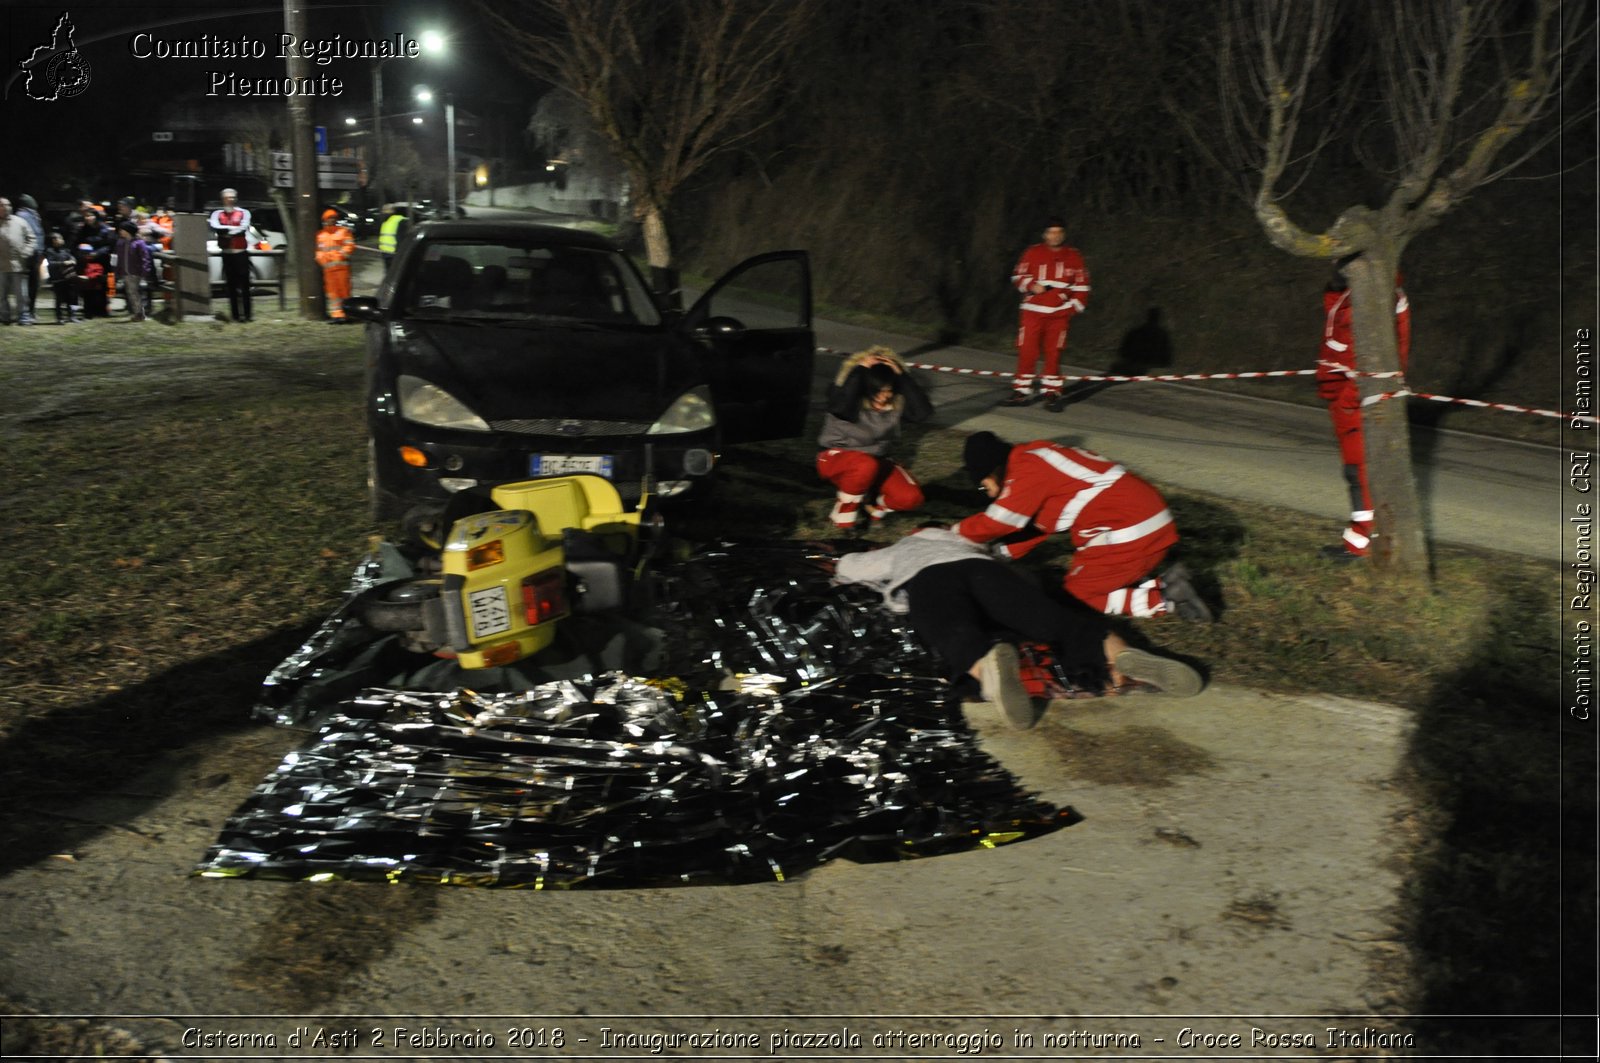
{"x":424,"y":469}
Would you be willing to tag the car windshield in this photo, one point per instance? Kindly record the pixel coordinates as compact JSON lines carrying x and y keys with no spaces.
{"x":532,"y":281}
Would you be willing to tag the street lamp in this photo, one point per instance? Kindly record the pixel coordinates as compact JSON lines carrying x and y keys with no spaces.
{"x":433,"y":44}
{"x":424,"y":94}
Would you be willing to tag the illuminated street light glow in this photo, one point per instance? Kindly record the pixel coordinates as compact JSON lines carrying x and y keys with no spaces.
{"x":433,"y":42}
{"x":423,"y":94}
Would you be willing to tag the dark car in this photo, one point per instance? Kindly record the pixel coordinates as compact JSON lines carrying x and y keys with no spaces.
{"x":499,"y":351}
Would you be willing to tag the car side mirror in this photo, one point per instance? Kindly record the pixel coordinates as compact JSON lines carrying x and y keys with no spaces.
{"x":720,"y":326}
{"x":363,"y":308}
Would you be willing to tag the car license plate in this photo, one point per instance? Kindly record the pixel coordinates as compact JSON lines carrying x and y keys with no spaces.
{"x":491,"y":613}
{"x":567,"y":464}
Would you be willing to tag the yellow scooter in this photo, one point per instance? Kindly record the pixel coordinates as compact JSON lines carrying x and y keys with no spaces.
{"x":507,"y":575}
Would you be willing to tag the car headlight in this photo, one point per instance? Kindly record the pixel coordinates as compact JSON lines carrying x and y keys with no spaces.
{"x":692,"y":412}
{"x":431,"y":404}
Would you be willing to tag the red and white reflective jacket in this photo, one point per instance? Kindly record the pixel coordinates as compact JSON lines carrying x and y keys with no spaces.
{"x":1335,"y":384}
{"x":1050,"y":488}
{"x":1063,"y":274}
{"x":232,"y":227}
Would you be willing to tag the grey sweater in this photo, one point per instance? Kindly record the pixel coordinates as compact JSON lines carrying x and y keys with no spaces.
{"x":889,"y":568}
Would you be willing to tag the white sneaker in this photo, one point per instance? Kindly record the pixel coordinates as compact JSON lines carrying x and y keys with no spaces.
{"x":1166,"y":674}
{"x":1001,"y":682}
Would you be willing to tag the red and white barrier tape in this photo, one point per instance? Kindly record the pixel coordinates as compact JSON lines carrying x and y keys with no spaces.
{"x":1506,"y":406}
{"x":1180,"y":377}
{"x":1168,"y":378}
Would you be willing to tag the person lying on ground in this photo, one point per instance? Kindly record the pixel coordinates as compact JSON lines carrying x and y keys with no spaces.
{"x":970,"y":608}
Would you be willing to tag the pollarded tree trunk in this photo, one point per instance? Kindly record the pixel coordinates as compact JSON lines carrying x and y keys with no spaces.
{"x":1399,"y":545}
{"x":657,"y":245}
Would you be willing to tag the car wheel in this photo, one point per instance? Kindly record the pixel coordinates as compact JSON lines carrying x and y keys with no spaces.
{"x":400,"y":607}
{"x":384,"y":504}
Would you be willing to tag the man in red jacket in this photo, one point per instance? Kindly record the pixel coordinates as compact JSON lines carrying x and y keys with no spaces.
{"x":231,"y":223}
{"x":1055,"y":286}
{"x":1336,"y":385}
{"x":1120,"y":527}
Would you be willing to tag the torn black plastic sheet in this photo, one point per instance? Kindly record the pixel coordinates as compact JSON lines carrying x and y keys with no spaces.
{"x":619,"y":784}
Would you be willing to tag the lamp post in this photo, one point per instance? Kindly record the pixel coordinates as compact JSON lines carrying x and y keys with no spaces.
{"x":426,"y":96}
{"x":432,"y":43}
{"x":450,"y":149}
{"x":373,"y":178}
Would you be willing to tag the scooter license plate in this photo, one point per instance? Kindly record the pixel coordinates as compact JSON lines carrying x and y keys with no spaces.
{"x":567,"y":464}
{"x":491,"y":612}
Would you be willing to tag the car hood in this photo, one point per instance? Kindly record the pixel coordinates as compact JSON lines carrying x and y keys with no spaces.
{"x":516,"y":372}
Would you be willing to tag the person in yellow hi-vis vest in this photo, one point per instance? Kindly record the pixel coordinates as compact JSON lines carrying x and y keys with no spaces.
{"x":335,"y":246}
{"x":389,"y":233}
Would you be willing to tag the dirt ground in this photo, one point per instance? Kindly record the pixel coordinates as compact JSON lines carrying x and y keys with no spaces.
{"x":1232,"y":888}
{"x":1249,"y":870}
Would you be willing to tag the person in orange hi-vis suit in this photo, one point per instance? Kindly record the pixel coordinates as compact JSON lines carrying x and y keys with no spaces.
{"x":1054,"y":284}
{"x":1336,"y":385}
{"x":335,"y":247}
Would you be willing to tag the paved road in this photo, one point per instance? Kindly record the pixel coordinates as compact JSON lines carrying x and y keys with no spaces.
{"x":1476,"y":490}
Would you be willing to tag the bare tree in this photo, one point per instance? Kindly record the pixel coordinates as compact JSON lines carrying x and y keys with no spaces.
{"x":1467,"y":90}
{"x":403,"y":168}
{"x":263,"y":130}
{"x":669,"y":83}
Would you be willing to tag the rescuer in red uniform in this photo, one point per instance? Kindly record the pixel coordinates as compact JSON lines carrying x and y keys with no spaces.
{"x":1120,"y":527}
{"x":1336,"y":385}
{"x":1054,"y":284}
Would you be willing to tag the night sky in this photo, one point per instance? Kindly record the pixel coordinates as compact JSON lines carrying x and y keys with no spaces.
{"x":118,"y":106}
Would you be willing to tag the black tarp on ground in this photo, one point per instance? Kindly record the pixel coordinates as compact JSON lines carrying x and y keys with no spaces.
{"x":777,"y":722}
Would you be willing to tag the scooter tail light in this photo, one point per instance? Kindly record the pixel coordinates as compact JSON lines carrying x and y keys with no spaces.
{"x":544,"y":596}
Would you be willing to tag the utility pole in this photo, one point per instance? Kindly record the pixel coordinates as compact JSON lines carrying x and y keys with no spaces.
{"x":373,"y":180}
{"x":450,"y":148}
{"x":304,"y":243}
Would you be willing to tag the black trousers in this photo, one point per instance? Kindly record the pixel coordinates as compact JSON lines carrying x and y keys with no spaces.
{"x":959,"y":608}
{"x":236,"y":276}
{"x":32,"y":292}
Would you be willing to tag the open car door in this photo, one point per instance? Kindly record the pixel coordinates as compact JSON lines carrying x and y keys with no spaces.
{"x":754,"y":325}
